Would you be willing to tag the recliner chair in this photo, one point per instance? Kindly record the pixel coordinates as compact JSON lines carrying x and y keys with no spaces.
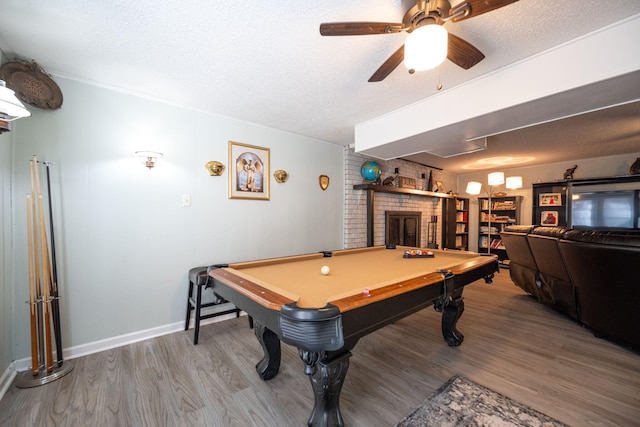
{"x":556,"y":286}
{"x":522,"y":266}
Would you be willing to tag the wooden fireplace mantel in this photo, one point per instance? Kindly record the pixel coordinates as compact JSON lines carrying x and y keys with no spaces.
{"x":371,"y":189}
{"x":396,"y":190}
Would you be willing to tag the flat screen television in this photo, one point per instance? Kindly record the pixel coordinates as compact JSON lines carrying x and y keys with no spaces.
{"x":605,"y":210}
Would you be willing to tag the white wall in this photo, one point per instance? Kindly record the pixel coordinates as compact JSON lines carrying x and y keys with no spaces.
{"x":124,"y":241}
{"x":6,"y":294}
{"x":587,"y":168}
{"x":6,"y":290}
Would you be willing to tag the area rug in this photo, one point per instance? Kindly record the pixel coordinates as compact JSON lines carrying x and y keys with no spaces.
{"x":460,"y":402}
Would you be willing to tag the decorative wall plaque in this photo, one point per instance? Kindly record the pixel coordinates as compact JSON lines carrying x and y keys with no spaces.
{"x":406,"y":182}
{"x":324,"y":182}
{"x":31,"y":84}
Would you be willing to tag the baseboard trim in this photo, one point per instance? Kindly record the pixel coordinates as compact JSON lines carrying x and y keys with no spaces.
{"x":7,"y":378}
{"x":118,"y":341}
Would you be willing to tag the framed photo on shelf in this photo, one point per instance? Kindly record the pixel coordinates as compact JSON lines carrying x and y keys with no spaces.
{"x":550,"y":199}
{"x":549,"y":218}
{"x":438,"y":187}
{"x":249,"y":174}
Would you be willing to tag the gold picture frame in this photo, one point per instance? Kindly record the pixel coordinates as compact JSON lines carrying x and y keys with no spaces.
{"x":249,"y":172}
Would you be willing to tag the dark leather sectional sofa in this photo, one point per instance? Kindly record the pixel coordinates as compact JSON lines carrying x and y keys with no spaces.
{"x":592,"y":276}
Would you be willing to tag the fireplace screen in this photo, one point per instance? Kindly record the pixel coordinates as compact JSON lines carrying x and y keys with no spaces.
{"x":403,"y":228}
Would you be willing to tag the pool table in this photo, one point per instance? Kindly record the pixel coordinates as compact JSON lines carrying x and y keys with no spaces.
{"x":324,"y":316}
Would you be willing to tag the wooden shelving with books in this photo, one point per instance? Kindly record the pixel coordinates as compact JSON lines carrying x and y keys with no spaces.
{"x":550,"y":203}
{"x":504,"y":211}
{"x":456,"y":227}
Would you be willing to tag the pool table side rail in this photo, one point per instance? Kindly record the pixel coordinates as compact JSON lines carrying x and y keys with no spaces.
{"x":294,"y":258}
{"x":261,"y":295}
{"x":274,"y":261}
{"x":360,"y":319}
{"x":469,"y":267}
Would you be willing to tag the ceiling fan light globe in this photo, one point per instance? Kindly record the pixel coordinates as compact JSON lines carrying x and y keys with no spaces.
{"x":426,"y":47}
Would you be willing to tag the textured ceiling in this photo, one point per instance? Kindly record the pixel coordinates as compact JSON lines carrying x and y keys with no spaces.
{"x":266,"y":63}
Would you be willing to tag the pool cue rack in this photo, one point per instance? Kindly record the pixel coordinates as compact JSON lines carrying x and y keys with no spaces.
{"x":44,"y":301}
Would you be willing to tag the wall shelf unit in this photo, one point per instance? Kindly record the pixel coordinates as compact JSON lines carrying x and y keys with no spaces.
{"x":550,"y":204}
{"x":455,"y":227}
{"x":504,"y":211}
{"x":554,"y":200}
{"x":399,"y":190}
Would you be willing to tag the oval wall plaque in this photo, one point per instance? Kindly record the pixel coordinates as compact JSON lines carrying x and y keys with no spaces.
{"x":32,"y":85}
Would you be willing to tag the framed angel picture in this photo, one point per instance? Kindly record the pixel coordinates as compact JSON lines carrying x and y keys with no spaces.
{"x":249,"y":172}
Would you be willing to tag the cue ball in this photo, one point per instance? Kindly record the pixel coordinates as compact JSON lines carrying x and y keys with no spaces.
{"x":325,"y":270}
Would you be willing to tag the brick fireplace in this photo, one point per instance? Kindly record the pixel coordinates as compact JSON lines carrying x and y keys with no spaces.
{"x":355,"y":223}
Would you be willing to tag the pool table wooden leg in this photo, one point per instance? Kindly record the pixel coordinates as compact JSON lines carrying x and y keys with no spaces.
{"x":450,"y":315}
{"x":326,"y":380}
{"x":269,"y":366}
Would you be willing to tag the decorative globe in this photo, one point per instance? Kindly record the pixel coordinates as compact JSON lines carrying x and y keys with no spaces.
{"x":370,"y":170}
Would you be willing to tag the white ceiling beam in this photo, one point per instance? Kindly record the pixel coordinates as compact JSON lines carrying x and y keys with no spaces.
{"x":573,"y":78}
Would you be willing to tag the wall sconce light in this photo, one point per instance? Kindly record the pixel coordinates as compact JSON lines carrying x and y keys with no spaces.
{"x":493,"y":179}
{"x":281,"y":176}
{"x":214,"y":168}
{"x":149,"y":158}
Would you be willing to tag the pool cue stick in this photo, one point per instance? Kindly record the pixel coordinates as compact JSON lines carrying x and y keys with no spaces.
{"x":35,"y":367}
{"x":46,"y":276}
{"x":36,"y":261}
{"x":55,"y":303}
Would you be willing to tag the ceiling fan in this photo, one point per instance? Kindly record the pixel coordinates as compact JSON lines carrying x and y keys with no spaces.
{"x":425,"y":12}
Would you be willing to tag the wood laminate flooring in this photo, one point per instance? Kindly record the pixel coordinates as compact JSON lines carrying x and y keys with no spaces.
{"x":512,"y":345}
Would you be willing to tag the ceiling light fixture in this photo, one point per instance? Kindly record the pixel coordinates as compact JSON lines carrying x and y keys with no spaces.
{"x":426,"y":47}
{"x":10,"y":107}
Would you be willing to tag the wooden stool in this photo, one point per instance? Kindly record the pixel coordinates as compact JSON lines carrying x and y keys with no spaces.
{"x":199,"y":278}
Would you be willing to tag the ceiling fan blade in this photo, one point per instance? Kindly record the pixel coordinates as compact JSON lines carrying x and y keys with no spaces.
{"x":478,"y":7}
{"x":462,"y":53}
{"x":388,"y":66}
{"x":359,"y":28}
